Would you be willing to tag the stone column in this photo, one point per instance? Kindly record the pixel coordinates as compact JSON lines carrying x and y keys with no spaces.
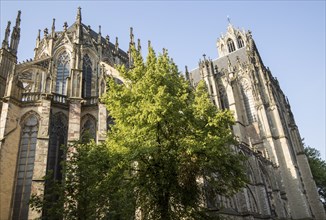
{"x":41,"y":154}
{"x":9,"y":142}
{"x":102,"y":122}
{"x":74,"y":119}
{"x":298,"y":204}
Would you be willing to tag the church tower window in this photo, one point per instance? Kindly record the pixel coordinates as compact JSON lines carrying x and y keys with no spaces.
{"x":25,"y":167}
{"x":62,"y":73}
{"x":231,"y":46}
{"x":87,"y":77}
{"x":240,"y":42}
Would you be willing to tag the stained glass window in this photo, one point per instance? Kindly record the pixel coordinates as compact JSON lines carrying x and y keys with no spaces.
{"x":63,"y":68}
{"x":87,"y":76}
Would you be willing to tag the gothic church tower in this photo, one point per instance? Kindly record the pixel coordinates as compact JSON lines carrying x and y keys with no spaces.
{"x":239,"y":81}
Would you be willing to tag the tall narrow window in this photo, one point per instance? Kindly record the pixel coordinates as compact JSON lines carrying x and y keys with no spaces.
{"x":63,"y":68}
{"x":87,"y":76}
{"x":58,"y":138}
{"x":249,"y":105}
{"x":240,"y":42}
{"x":25,"y":167}
{"x":231,"y":46}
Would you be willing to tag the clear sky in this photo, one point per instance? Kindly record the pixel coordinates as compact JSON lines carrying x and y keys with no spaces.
{"x":290,"y":36}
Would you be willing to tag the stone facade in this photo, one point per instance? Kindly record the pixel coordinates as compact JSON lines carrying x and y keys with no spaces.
{"x":54,"y":98}
{"x":281,"y":185}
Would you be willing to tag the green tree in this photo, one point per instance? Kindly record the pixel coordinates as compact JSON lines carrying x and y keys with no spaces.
{"x":167,"y":144}
{"x":171,"y":139}
{"x":318,"y":170}
{"x":89,"y":188}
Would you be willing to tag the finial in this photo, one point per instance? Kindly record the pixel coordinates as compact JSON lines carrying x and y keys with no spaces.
{"x":18,"y":19}
{"x":46,"y":32}
{"x":53,"y":25}
{"x":164,"y":51}
{"x":187,"y":72}
{"x":65,"y":25}
{"x":39,"y":34}
{"x":204,"y":55}
{"x":15,"y":35}
{"x":88,"y":28}
{"x":99,"y":36}
{"x":229,"y":19}
{"x":131,"y":35}
{"x":7,"y":33}
{"x":138,"y":45}
{"x":149,"y":44}
{"x":116,"y":44}
{"x":107,"y":39}
{"x":79,"y":17}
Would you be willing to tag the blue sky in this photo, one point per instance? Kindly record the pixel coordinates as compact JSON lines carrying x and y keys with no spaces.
{"x":290,"y":36}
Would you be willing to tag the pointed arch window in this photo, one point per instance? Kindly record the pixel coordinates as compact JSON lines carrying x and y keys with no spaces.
{"x":58,"y":138}
{"x":87,"y":76}
{"x":88,"y":130}
{"x":25,"y":167}
{"x":231,"y":46}
{"x":63,"y":69}
{"x":248,"y":100}
{"x":240,"y":42}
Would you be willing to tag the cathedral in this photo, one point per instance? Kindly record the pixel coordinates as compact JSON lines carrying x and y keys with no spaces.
{"x":52,"y":99}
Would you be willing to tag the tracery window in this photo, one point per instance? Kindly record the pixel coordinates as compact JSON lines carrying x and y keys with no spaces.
{"x":58,"y":138}
{"x":88,"y":129}
{"x":87,"y":76}
{"x":25,"y":167}
{"x":248,"y":100}
{"x":240,"y":42}
{"x":63,"y":69}
{"x":231,"y":46}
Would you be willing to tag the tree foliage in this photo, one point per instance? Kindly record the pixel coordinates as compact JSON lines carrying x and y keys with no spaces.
{"x":167,"y":144}
{"x":89,"y":188}
{"x":318,"y":170}
{"x":171,"y":139}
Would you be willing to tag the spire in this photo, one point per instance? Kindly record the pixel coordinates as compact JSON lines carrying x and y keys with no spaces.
{"x":38,"y":38}
{"x":229,"y":19}
{"x":65,"y":25}
{"x":187,"y":73}
{"x":99,"y":36}
{"x":53,"y":28}
{"x":46,"y":31}
{"x":78,"y":17}
{"x":116,"y":45}
{"x":15,"y":35}
{"x":107,"y":39}
{"x":138,"y":45}
{"x":7,"y":33}
{"x":131,"y":36}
